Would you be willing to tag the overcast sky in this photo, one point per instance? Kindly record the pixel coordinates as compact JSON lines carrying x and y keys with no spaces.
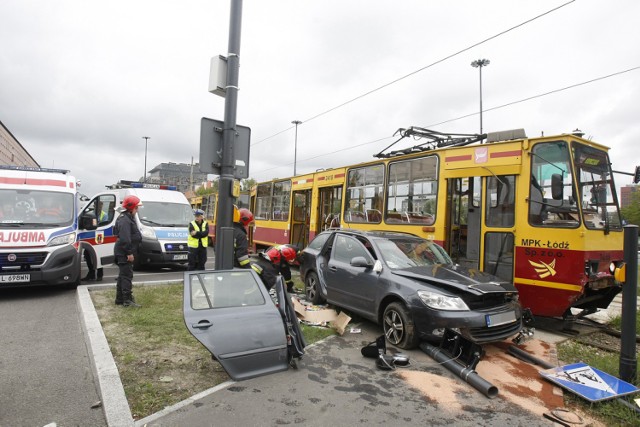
{"x":82,"y":81}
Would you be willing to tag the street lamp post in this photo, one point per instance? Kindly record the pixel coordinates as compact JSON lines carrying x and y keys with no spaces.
{"x":146,"y":142}
{"x":295,"y":149}
{"x":479,"y":63}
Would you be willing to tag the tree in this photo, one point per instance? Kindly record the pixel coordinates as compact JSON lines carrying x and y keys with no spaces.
{"x":246,"y":184}
{"x":631,"y":213}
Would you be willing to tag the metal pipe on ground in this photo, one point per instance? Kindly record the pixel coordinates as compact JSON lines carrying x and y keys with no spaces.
{"x":467,"y":374}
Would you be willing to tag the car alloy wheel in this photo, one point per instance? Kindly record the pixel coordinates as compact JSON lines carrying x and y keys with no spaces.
{"x":312,"y":288}
{"x":398,"y":326}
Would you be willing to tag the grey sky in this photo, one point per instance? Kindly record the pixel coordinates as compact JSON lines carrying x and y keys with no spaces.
{"x":81,"y":82}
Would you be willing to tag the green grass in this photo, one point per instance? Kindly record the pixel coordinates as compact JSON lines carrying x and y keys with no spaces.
{"x":611,"y":412}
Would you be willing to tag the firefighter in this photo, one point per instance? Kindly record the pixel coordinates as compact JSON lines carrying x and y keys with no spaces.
{"x":198,"y":240}
{"x":241,"y":219}
{"x":126,"y":249}
{"x":269,"y":264}
{"x":289,"y":255}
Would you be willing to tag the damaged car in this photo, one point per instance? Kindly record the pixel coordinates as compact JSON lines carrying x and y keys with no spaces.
{"x":410,"y":286}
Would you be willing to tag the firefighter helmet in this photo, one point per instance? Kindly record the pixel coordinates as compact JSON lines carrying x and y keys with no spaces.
{"x":274,"y":255}
{"x":288,"y":253}
{"x":131,"y":202}
{"x":245,"y":217}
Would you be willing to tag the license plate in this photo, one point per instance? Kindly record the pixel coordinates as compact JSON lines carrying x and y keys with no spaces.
{"x":15,"y":278}
{"x":180,"y":257}
{"x":500,"y":319}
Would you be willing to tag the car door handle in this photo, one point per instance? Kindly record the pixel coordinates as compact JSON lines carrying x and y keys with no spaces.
{"x":203,"y":324}
{"x":333,"y":268}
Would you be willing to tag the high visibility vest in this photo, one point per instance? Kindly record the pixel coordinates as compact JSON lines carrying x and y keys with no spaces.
{"x":192,"y":242}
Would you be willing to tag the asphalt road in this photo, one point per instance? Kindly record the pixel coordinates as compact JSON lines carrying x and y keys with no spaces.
{"x":45,"y":371}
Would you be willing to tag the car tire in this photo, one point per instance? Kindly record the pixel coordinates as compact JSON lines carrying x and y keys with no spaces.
{"x":312,"y":288}
{"x":398,"y":326}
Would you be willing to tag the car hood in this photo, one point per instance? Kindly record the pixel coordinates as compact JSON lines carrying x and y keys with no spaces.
{"x":457,"y":277}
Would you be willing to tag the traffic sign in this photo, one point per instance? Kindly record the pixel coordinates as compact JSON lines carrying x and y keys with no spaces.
{"x":211,"y":148}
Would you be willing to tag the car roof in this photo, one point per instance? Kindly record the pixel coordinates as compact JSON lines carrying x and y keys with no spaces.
{"x":374,"y":233}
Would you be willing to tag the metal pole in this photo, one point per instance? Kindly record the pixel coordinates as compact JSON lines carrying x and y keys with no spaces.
{"x":146,"y":141}
{"x":479,"y":63}
{"x":295,"y":149}
{"x":224,"y":223}
{"x":628,"y":356}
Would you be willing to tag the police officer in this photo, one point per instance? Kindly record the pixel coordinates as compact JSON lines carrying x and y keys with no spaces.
{"x":269,"y":263}
{"x":198,"y":240}
{"x":241,"y":219}
{"x":126,"y":249}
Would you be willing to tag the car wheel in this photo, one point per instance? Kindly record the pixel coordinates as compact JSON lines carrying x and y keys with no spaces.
{"x":312,"y":288}
{"x":398,"y":326}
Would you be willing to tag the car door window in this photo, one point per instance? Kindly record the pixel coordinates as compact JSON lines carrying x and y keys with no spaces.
{"x":346,"y":248}
{"x":229,"y":290}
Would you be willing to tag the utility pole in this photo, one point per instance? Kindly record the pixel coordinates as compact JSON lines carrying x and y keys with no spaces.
{"x":479,"y":63}
{"x":224,"y":224}
{"x":146,"y":141}
{"x":295,"y":148}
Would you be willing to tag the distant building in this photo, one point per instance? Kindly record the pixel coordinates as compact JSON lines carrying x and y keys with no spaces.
{"x":184,"y":176}
{"x":12,"y":152}
{"x":626,"y":193}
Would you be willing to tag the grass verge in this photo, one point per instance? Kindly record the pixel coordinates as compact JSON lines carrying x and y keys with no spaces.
{"x":159,"y":361}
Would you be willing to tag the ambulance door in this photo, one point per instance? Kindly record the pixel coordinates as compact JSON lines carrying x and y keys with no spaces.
{"x":99,"y":243}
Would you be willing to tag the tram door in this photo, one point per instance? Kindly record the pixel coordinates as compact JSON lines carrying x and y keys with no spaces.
{"x":482,"y":224}
{"x":464,"y":220}
{"x":300,"y":218}
{"x":329,"y":208}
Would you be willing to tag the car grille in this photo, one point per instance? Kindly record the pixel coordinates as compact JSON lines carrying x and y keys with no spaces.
{"x":492,"y":300}
{"x":495,"y":333}
{"x":23,"y":260}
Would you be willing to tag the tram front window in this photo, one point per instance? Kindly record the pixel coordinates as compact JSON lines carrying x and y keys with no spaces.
{"x":596,"y":188}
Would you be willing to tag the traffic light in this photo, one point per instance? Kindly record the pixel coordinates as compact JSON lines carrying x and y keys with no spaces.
{"x":636,"y":176}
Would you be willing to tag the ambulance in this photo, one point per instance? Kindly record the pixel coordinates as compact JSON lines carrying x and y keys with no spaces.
{"x":163,"y":220}
{"x":38,"y":227}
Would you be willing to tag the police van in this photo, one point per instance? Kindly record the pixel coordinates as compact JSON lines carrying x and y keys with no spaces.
{"x":38,"y":226}
{"x":163,"y":220}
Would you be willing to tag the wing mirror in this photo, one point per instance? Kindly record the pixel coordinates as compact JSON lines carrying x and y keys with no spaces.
{"x":360,"y":261}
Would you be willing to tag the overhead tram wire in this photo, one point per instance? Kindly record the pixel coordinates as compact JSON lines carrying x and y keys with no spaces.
{"x":528,"y":21}
{"x":551,"y":92}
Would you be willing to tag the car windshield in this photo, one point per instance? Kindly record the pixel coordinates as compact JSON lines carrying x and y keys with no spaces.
{"x":407,"y":253}
{"x":165,"y":214}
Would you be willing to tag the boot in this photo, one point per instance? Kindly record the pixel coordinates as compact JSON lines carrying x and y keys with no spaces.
{"x":91,"y":276}
{"x":130,"y":303}
{"x":100,"y":274}
{"x":119,"y":299}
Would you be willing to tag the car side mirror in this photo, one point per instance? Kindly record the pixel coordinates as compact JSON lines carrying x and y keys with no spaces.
{"x":360,"y":261}
{"x":377,"y":267}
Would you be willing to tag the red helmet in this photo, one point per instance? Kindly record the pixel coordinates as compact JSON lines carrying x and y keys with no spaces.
{"x":246,"y":217}
{"x":288,"y":253}
{"x":131,"y":202}
{"x":274,"y":255}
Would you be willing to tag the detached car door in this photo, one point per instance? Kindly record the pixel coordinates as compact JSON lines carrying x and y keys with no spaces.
{"x":231,"y":313}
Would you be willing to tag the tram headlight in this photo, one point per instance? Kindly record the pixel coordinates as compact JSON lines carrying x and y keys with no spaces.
{"x":618,"y":270}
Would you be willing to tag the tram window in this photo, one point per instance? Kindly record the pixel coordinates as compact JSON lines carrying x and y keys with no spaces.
{"x":552,"y":195}
{"x":263,"y":201}
{"x":412,"y":191}
{"x":364,"y":196}
{"x":281,"y":201}
{"x":500,"y":210}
